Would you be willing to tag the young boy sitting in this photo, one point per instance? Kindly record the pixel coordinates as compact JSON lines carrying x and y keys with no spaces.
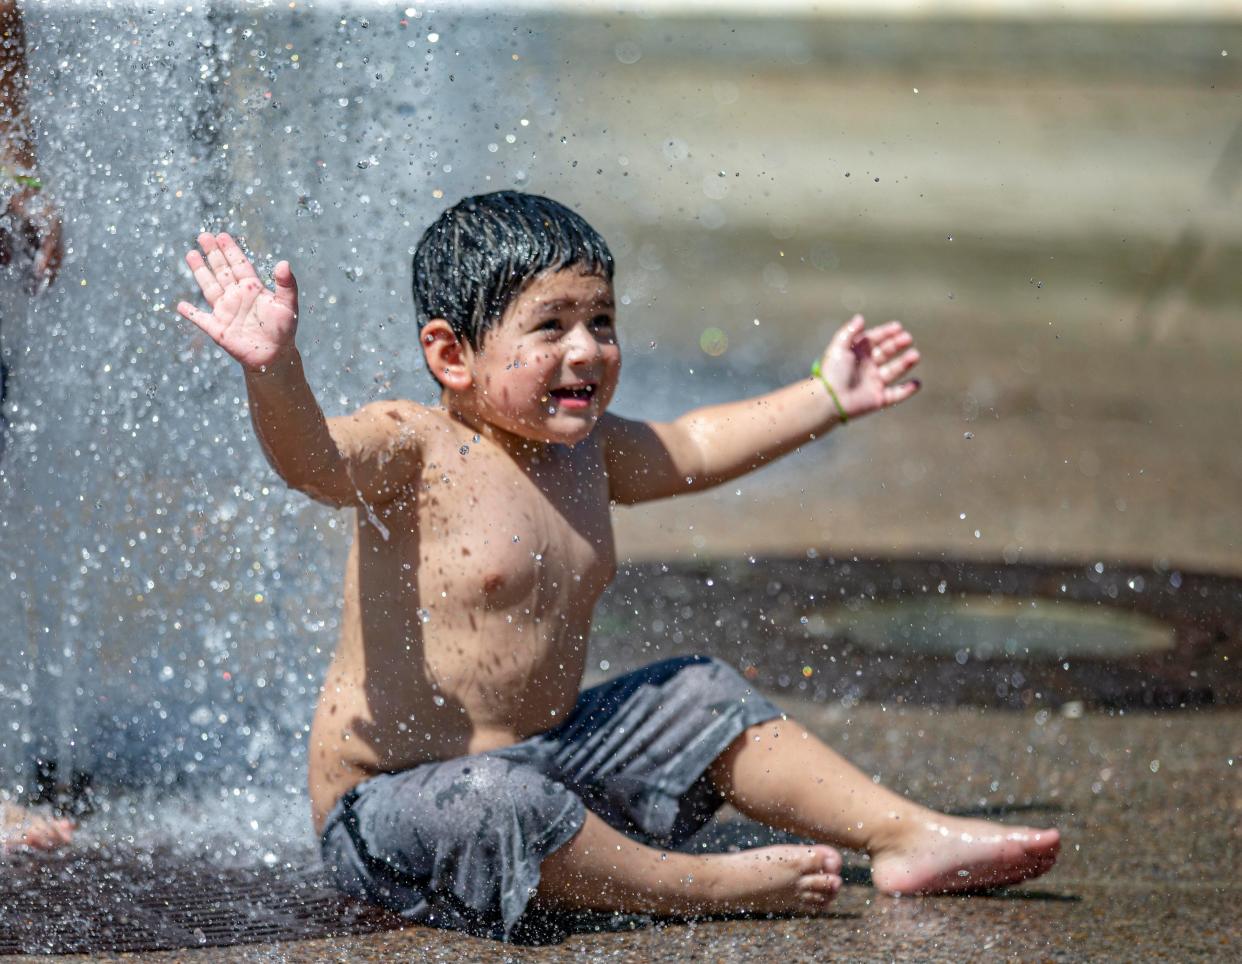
{"x":457,"y":773}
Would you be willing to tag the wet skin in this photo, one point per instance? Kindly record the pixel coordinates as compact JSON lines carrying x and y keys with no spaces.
{"x":465,"y":629}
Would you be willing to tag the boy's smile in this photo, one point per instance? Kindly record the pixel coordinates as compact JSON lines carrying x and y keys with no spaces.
{"x":549,"y":367}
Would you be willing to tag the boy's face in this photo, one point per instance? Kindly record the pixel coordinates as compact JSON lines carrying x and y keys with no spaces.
{"x":548,"y":369}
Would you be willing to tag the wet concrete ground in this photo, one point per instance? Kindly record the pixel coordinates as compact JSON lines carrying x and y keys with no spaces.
{"x":1148,"y":803}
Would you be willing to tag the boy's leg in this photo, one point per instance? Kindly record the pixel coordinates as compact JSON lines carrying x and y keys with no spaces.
{"x":782,"y":775}
{"x":602,"y":869}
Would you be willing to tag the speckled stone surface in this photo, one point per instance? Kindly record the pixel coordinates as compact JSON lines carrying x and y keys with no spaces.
{"x":1150,"y":804}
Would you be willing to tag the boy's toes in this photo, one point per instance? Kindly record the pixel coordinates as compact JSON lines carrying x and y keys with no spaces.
{"x":819,"y":888}
{"x":1040,"y":846}
{"x":819,"y":860}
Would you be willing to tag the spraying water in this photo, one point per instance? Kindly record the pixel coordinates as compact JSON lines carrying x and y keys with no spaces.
{"x":169,"y":605}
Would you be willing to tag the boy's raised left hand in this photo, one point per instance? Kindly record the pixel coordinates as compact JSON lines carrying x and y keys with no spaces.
{"x":864,"y":365}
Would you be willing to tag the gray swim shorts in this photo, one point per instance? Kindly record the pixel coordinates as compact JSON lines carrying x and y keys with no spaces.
{"x":459,"y":843}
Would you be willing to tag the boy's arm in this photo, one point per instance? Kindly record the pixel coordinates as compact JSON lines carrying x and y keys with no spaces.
{"x":367,"y":457}
{"x":708,"y":446}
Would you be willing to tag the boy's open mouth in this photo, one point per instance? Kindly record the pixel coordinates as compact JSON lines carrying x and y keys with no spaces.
{"x":574,"y":396}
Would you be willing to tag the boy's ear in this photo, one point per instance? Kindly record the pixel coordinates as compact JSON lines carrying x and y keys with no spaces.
{"x":446,"y":355}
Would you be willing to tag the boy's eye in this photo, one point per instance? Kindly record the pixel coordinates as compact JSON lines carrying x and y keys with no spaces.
{"x":552,"y":324}
{"x":601,"y":321}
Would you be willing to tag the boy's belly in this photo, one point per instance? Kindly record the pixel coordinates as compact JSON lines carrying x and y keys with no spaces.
{"x":386,"y":719}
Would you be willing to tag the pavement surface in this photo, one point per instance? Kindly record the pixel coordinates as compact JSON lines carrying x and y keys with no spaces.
{"x":1149,"y":805}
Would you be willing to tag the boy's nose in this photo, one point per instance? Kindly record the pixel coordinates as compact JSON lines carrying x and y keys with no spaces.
{"x":583,"y":349}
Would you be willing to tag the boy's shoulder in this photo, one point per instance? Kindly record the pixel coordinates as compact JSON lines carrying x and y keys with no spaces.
{"x":397,"y":411}
{"x":400,"y":421}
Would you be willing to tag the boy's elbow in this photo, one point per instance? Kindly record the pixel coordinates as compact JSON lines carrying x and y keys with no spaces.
{"x":326,"y":492}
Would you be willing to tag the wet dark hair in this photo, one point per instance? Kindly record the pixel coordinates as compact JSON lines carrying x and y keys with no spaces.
{"x":483,"y":251}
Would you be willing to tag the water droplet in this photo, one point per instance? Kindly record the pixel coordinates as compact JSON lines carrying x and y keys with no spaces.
{"x":968,"y":435}
{"x":424,"y":616}
{"x":438,"y":700}
{"x":517,"y":538}
{"x":464,"y":450}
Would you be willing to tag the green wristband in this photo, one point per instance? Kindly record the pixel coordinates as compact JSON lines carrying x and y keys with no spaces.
{"x":818,"y":372}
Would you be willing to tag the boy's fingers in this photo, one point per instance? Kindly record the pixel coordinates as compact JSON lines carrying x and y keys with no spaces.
{"x":889,"y":347}
{"x":882,"y":332}
{"x":236,"y":257}
{"x":220,"y":267}
{"x":206,"y":321}
{"x":208,"y":244}
{"x":899,"y":393}
{"x":205,"y":277}
{"x":849,"y":331}
{"x":898,"y":367}
{"x":286,"y":286}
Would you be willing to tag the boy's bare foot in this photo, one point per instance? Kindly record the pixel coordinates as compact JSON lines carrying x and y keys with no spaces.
{"x":942,"y":855}
{"x":601,"y":869}
{"x":779,"y":880}
{"x":21,"y":828}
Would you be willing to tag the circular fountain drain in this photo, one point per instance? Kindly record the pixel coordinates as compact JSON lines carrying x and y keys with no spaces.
{"x":987,"y":627}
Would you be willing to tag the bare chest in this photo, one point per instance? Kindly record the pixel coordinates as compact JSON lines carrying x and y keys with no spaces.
{"x":502,"y":536}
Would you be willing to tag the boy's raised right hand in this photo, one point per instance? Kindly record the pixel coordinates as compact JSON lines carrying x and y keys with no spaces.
{"x":254,"y":325}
